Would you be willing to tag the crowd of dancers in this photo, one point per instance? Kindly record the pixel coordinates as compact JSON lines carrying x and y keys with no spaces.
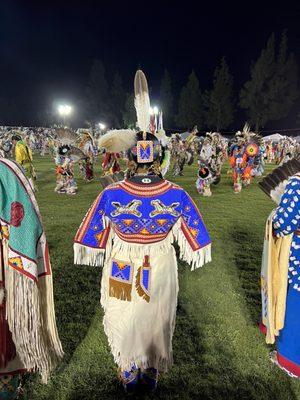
{"x":246,"y":154}
{"x":129,"y":230}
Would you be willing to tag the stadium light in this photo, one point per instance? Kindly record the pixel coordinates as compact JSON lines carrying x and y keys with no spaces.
{"x":102,"y":126}
{"x":64,"y":110}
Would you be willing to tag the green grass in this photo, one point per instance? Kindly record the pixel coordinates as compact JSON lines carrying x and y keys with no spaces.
{"x":218,"y":350}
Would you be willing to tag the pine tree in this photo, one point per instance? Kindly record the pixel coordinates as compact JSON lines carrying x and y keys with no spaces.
{"x":167,"y":100}
{"x":118,"y":98}
{"x":190,"y":110}
{"x":220,"y":107}
{"x":272,"y":89}
{"x":283,"y":88}
{"x":254,"y":97}
{"x":129,"y":113}
{"x":98,"y":102}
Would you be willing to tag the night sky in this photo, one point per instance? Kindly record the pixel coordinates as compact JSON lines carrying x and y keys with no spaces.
{"x":47,"y":47}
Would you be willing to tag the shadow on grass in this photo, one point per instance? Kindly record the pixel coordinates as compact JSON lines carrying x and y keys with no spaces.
{"x":198,"y":373}
{"x":188,"y":349}
{"x":247,"y":261}
{"x":77,"y":294}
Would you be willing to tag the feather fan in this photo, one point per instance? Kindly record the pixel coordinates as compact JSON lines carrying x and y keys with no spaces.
{"x":165,"y":163}
{"x":76,"y":154}
{"x":83,"y":132}
{"x":117,"y":140}
{"x":274,"y":183}
{"x":66,"y":136}
{"x":142,"y":101}
{"x":162,"y":137}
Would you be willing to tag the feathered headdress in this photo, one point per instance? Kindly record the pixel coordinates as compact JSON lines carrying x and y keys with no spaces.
{"x":66,"y":136}
{"x":117,"y":140}
{"x":86,"y":134}
{"x":246,"y":128}
{"x":247,"y":136}
{"x":142,"y":101}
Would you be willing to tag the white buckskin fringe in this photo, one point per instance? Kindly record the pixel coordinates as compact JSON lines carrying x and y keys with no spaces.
{"x":31,"y":318}
{"x":84,"y":255}
{"x":195,"y":259}
{"x":162,"y":364}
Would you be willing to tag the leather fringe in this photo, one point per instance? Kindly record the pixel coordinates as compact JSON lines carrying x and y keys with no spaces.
{"x":139,"y":280}
{"x":120,"y":290}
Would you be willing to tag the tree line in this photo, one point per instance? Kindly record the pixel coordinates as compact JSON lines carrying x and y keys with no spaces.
{"x":267,"y":96}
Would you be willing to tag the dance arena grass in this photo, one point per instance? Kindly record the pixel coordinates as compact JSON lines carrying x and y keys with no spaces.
{"x":218,"y":351}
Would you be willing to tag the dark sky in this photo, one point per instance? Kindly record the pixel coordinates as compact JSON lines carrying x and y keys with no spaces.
{"x":47,"y":47}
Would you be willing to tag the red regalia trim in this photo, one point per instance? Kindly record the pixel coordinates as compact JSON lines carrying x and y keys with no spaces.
{"x":190,"y":238}
{"x":104,"y":238}
{"x":101,"y":243}
{"x":47,"y":262}
{"x":196,"y":207}
{"x":262,"y":328}
{"x":85,"y":225}
{"x":153,"y":189}
{"x":288,"y":365}
{"x":24,"y":272}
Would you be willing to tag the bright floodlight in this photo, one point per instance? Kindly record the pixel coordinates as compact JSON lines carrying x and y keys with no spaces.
{"x":64,"y":110}
{"x":155,"y":110}
{"x":102,"y":126}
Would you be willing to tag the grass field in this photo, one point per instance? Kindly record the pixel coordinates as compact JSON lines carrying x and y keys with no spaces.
{"x":218,"y":350}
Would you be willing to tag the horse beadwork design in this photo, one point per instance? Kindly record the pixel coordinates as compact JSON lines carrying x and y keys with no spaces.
{"x":130,"y":208}
{"x":161,"y":208}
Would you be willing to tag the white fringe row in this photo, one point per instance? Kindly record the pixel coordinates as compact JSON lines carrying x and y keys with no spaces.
{"x":84,"y":255}
{"x":162,"y":364}
{"x":31,"y":319}
{"x":1,"y":296}
{"x":195,"y":259}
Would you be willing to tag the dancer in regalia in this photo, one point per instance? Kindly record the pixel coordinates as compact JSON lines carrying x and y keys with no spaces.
{"x":280,"y":276}
{"x":211,"y":158}
{"x":243,"y":153}
{"x":130,"y":230}
{"x":5,"y":147}
{"x":23,"y":156}
{"x":178,"y":155}
{"x":87,"y":147}
{"x":28,"y":335}
{"x":65,"y":181}
{"x":67,"y":154}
